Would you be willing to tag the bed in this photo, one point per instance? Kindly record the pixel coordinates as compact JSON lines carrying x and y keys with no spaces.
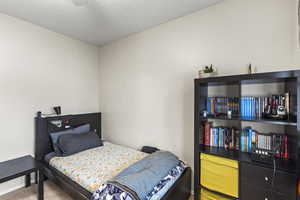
{"x":79,"y":179}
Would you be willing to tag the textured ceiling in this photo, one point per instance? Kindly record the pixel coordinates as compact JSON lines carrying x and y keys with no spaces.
{"x":101,"y":21}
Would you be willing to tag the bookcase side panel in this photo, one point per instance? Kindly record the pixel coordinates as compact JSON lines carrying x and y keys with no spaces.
{"x":201,"y":92}
{"x":298,"y":129}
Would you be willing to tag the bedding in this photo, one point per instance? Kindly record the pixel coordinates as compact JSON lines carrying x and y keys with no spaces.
{"x":140,"y":178}
{"x":94,"y":167}
{"x":56,"y":135}
{"x":73,"y":143}
{"x":167,"y":182}
{"x":49,"y":156}
{"x":109,"y":191}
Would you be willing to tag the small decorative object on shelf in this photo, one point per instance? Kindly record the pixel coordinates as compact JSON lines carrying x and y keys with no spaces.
{"x":204,"y":113}
{"x":208,"y":72}
{"x":250,"y":69}
{"x":57,"y":110}
{"x":229,"y":114}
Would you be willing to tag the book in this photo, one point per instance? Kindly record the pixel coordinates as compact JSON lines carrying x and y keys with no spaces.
{"x":207,"y":128}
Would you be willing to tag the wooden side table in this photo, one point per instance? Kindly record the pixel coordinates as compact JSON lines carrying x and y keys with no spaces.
{"x":23,"y":166}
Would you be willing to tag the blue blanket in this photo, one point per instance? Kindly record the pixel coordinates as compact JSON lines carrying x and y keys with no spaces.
{"x":140,"y":178}
{"x":111,"y":192}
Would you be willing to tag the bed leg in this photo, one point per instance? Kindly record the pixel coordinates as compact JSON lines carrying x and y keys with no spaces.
{"x":40,"y":185}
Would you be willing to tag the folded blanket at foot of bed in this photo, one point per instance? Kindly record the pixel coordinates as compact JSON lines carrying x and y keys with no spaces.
{"x":145,"y":180}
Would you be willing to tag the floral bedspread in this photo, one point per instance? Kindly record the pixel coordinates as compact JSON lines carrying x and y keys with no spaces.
{"x":92,"y":168}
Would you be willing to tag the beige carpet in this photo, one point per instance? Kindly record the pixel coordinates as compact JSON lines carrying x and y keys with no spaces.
{"x":52,"y":192}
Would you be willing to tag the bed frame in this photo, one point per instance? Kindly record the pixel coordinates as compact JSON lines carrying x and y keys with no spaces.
{"x":45,"y":125}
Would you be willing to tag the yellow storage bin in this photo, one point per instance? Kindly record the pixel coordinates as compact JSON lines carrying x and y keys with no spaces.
{"x":220,"y":175}
{"x":206,"y":195}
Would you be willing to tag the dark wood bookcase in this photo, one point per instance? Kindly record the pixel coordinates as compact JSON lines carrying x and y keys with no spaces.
{"x":252,"y":174}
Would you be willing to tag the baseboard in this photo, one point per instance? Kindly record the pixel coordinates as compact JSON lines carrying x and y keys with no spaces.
{"x":18,"y":186}
{"x":11,"y":189}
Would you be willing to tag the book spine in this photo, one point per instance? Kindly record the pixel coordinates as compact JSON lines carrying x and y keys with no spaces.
{"x":212,"y":106}
{"x":207,"y":134}
{"x":233,"y":142}
{"x":253,"y":139}
{"x":220,"y":137}
{"x":211,"y":137}
{"x":254,"y":107}
{"x":248,"y":107}
{"x":237,"y":139}
{"x":286,"y":152}
{"x":241,"y":141}
{"x":208,"y":105}
{"x":287,"y":103}
{"x":216,"y":137}
{"x":243,"y":106}
{"x":251,"y":107}
{"x":226,"y":141}
{"x":249,"y":139}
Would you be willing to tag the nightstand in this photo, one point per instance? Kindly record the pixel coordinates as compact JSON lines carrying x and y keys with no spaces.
{"x":23,"y":166}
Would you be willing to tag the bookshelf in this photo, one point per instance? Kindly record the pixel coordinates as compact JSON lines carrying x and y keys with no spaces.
{"x":259,"y":120}
{"x":287,"y":170}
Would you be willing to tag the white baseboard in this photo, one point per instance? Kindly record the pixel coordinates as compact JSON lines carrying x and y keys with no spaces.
{"x":18,"y":184}
{"x":11,"y":189}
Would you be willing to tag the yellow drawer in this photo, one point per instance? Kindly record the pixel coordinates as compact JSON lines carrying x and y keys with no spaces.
{"x":206,"y":195}
{"x":220,"y":175}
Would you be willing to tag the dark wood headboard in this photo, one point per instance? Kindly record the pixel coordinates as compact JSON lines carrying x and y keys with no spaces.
{"x":46,"y":125}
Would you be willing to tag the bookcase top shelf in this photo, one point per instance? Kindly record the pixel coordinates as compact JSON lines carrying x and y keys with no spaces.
{"x":258,"y":120}
{"x":256,"y":78}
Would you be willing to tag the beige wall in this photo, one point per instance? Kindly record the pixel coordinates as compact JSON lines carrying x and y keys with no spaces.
{"x":146,"y":80}
{"x":40,"y":69}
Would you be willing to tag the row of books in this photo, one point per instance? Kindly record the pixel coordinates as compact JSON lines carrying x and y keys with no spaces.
{"x":275,"y":106}
{"x":254,"y":142}
{"x":246,"y":140}
{"x":251,"y":139}
{"x":225,"y":137}
{"x":250,"y":107}
{"x":221,"y":105}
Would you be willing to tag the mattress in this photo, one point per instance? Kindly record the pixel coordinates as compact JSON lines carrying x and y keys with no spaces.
{"x":93,"y":167}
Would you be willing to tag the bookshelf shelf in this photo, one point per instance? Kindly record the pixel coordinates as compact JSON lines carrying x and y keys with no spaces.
{"x":222,"y":152}
{"x":287,"y":167}
{"x":258,"y":120}
{"x":259,"y":78}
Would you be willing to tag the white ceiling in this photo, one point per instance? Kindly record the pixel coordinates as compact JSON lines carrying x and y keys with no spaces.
{"x":101,"y":21}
